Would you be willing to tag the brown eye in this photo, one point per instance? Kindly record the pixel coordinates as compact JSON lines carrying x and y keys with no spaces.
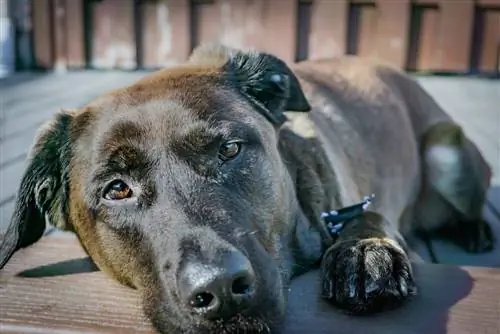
{"x":117,"y":190}
{"x":229,"y":150}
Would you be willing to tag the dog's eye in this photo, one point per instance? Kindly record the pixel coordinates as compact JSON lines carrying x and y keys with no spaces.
{"x":117,"y":190}
{"x":229,"y":150}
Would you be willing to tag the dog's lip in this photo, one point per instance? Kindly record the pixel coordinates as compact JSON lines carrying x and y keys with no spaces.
{"x":237,"y":324}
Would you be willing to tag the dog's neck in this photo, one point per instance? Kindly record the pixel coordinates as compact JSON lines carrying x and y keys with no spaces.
{"x":315,"y":182}
{"x":318,"y":143}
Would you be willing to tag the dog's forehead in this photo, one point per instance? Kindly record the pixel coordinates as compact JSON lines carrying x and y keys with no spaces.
{"x":171,"y":103}
{"x":148,"y":119}
{"x":191,"y":85}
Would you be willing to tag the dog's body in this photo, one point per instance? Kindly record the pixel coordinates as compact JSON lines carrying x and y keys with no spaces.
{"x":188,"y":186}
{"x":382,"y":133}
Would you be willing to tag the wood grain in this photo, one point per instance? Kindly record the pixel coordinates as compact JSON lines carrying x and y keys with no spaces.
{"x":52,"y":287}
{"x":392,"y":31}
{"x":60,"y":31}
{"x":490,"y":41}
{"x":165,"y":32}
{"x":328,"y":35}
{"x":455,"y":35}
{"x":75,"y":37}
{"x":281,"y":29}
{"x":42,"y":34}
{"x":113,"y":40}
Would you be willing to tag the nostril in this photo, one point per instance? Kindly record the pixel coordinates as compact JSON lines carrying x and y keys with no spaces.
{"x":242,"y":286}
{"x":201,"y":300}
{"x":220,"y":289}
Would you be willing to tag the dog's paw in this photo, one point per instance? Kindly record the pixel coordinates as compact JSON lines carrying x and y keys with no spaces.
{"x":367,"y":276}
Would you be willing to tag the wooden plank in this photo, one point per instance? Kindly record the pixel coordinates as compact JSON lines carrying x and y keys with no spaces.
{"x":489,"y":60}
{"x":455,"y":35}
{"x":75,"y":39}
{"x":113,"y":40}
{"x":235,"y":24}
{"x":255,"y":13}
{"x":42,"y":33}
{"x":60,"y":35}
{"x":425,"y":38}
{"x":366,"y":17}
{"x":20,"y":13}
{"x":151,"y":38}
{"x":206,"y":22}
{"x":128,"y":320}
{"x":444,"y":36}
{"x":281,"y":29}
{"x":393,"y":23}
{"x":66,"y":293}
{"x":329,"y":24}
{"x":165,"y":32}
{"x":233,"y":21}
{"x":426,"y":2}
{"x":488,"y":3}
{"x":304,"y":17}
{"x":181,"y":29}
{"x":238,"y":24}
{"x":362,"y":2}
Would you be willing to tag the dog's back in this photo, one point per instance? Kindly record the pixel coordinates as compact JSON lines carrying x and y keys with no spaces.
{"x":381,"y":130}
{"x":365,"y":125}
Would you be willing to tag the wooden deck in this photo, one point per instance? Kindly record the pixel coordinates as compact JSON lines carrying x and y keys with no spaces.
{"x":61,"y":293}
{"x":27,"y":100}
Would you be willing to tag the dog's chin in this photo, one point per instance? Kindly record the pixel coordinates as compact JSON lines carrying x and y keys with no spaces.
{"x":264,"y":319}
{"x":238,"y":324}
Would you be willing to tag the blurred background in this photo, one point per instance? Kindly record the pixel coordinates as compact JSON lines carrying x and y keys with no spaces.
{"x":439,"y":36}
{"x":63,"y":53}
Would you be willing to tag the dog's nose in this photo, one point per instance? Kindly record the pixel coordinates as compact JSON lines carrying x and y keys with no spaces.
{"x":218,"y":290}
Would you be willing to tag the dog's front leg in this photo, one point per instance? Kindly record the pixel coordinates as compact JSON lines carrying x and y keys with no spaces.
{"x":367,"y":269}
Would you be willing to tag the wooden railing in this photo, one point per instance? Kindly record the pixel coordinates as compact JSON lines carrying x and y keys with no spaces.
{"x":417,"y":35}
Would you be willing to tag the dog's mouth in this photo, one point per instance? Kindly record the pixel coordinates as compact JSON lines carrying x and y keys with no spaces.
{"x":241,"y":323}
{"x":265,"y":316}
{"x":256,"y":306}
{"x":238,"y":324}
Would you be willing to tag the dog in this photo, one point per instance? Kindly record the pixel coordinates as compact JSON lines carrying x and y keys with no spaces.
{"x":203,"y":186}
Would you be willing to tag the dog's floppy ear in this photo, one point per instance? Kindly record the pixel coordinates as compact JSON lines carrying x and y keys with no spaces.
{"x":39,"y":194}
{"x":263,"y":78}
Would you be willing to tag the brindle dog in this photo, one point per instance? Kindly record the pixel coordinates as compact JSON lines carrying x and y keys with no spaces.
{"x":202,"y":186}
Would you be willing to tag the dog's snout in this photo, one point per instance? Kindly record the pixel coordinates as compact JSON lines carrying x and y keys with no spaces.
{"x":218,"y":290}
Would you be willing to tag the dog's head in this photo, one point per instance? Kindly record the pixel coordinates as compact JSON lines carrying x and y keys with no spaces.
{"x":175,"y":186}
